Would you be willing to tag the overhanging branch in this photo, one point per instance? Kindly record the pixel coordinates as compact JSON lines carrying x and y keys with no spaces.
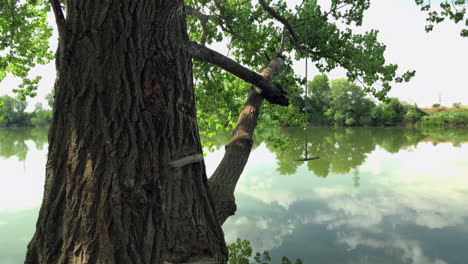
{"x":272,"y":92}
{"x":224,"y":180}
{"x":281,"y":19}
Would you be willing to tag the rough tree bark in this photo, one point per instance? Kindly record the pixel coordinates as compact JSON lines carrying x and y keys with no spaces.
{"x":125,"y":178}
{"x":124,"y":112}
{"x":224,"y":180}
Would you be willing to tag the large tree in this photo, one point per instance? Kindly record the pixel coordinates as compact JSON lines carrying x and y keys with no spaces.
{"x":125,"y":178}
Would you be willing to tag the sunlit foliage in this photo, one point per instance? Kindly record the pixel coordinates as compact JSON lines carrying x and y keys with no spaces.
{"x":253,"y":36}
{"x":24,"y":41}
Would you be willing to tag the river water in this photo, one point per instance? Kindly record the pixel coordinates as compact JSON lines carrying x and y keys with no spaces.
{"x":375,"y":195}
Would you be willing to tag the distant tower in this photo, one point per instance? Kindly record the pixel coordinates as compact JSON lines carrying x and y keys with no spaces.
{"x":439,"y":96}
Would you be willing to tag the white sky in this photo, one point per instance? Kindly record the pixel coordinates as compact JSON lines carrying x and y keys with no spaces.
{"x":440,"y":58}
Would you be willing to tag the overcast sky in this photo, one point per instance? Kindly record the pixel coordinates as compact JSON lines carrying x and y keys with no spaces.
{"x":440,"y":58}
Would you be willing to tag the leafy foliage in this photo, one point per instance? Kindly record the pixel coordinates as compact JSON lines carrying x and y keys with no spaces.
{"x":348,"y":105}
{"x":240,"y":252}
{"x":41,"y":116}
{"x":318,"y":101}
{"x":12,"y":112}
{"x":456,"y":117}
{"x":413,"y":114}
{"x":253,"y":37}
{"x":389,"y":113}
{"x":24,"y":41}
{"x":50,"y":97}
{"x":454,"y":10}
{"x":343,"y":103}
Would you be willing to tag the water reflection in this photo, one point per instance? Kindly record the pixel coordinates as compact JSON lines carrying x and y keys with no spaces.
{"x":376,"y":195}
{"x":13,"y":141}
{"x":22,"y":164}
{"x":410,"y":206}
{"x":342,"y":149}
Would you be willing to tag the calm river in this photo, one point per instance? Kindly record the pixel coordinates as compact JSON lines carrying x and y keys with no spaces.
{"x":376,"y":195}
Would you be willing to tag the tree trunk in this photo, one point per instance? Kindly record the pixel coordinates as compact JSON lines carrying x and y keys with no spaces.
{"x":124,"y":180}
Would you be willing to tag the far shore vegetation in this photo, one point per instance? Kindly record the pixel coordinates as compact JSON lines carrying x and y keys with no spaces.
{"x":336,"y":102}
{"x":13,"y":114}
{"x":343,"y":103}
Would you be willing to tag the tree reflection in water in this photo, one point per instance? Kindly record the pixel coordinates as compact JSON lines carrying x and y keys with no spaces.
{"x":285,"y":216}
{"x":13,"y":141}
{"x":341,"y":149}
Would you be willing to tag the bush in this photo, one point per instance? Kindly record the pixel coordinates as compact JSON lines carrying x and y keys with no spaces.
{"x":413,"y":114}
{"x":12,"y":112}
{"x":456,"y":117}
{"x":41,"y":117}
{"x":389,"y":113}
{"x":436,"y":105}
{"x":350,"y":121}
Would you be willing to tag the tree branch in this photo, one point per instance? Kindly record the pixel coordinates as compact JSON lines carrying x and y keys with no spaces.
{"x":281,"y":19}
{"x":224,"y":180}
{"x":59,"y":17}
{"x":272,"y":92}
{"x":203,"y":21}
{"x":204,"y":18}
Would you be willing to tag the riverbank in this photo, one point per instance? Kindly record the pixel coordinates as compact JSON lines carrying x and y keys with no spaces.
{"x":422,"y":117}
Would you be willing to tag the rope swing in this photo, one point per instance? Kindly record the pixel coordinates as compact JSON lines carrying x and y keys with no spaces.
{"x":307,"y":158}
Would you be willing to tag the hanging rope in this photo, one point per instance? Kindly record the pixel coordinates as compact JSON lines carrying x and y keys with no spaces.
{"x":307,"y":158}
{"x":306,"y":62}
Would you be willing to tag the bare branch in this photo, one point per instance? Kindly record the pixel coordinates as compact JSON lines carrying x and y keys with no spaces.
{"x":272,"y":92}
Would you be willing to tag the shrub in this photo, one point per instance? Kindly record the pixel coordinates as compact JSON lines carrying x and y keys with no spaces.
{"x":413,"y":114}
{"x":456,"y":117}
{"x":41,"y":116}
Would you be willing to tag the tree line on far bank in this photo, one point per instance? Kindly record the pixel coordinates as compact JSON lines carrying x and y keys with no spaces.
{"x":343,"y":103}
{"x":13,"y":114}
{"x":329,"y":102}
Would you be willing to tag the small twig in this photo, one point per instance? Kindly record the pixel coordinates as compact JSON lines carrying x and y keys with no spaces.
{"x":217,"y":19}
{"x":186,"y":161}
{"x":338,"y":8}
{"x":307,"y":159}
